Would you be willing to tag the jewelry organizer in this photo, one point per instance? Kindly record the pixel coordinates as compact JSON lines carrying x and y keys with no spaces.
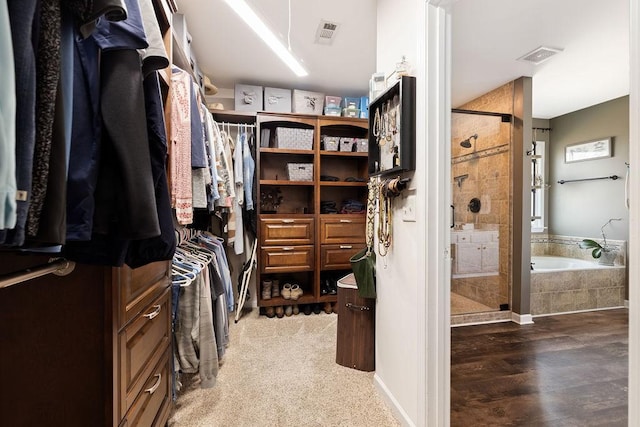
{"x":392,"y":129}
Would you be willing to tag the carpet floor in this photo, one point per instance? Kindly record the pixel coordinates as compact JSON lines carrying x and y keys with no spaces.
{"x":282,"y":372}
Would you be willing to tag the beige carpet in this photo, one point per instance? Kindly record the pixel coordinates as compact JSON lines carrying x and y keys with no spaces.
{"x":282,"y":372}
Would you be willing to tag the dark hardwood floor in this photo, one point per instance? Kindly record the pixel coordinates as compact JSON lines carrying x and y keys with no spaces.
{"x":568,"y":370}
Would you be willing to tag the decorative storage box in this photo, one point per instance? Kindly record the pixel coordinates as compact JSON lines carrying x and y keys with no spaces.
{"x":362,"y":145}
{"x":305,"y":102}
{"x":248,"y":98}
{"x":277,"y":100}
{"x":347,"y":144}
{"x":294,"y":138}
{"x":330,"y":143}
{"x":300,"y":171}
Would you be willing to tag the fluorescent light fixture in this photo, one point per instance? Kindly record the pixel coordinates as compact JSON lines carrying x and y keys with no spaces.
{"x":256,"y":24}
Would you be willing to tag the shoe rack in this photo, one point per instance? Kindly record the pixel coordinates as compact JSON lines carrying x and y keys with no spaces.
{"x":299,"y":245}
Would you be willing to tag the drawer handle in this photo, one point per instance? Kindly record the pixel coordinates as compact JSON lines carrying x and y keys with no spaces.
{"x":348,"y":221}
{"x":346,"y":247}
{"x":154,"y":313}
{"x":154,"y":387}
{"x":288,"y":221}
{"x":357,"y":307}
{"x":288,"y":248}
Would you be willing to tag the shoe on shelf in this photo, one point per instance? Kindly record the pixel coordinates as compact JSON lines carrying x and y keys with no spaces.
{"x":286,"y":291}
{"x":296,"y":292}
{"x":288,"y":311}
{"x":307,"y":309}
{"x":295,"y":309}
{"x":275,"y":288}
{"x":327,"y":308}
{"x":266,"y":289}
{"x":269,"y":312}
{"x":335,"y":307}
{"x":324,"y":287}
{"x":333,"y":286}
{"x":279,"y":312}
{"x":316,"y":309}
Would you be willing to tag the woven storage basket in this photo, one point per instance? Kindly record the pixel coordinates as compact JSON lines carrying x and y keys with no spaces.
{"x":300,"y":171}
{"x":294,"y":138}
{"x":330,"y":143}
{"x":362,"y":145}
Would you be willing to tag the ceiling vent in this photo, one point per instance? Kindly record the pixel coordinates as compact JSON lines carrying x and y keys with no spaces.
{"x":539,"y":55}
{"x":326,"y":32}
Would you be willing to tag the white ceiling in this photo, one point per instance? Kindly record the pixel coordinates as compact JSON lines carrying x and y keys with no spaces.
{"x":488,"y":37}
{"x":229,"y":52}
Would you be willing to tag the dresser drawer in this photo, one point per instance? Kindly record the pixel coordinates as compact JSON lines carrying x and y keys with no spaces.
{"x":342,"y":229}
{"x":141,"y":344}
{"x":336,"y":257}
{"x":136,"y":288}
{"x":286,"y":231}
{"x":150,"y":408}
{"x":282,"y":259}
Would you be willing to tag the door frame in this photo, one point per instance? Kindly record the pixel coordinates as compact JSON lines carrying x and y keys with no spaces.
{"x":437,"y":93}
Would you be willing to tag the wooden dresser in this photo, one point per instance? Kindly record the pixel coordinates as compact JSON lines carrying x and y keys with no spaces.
{"x":89,"y":349}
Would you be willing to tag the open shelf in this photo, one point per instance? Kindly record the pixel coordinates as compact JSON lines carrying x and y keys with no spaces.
{"x":279,"y":182}
{"x":285,"y":151}
{"x":342,"y":184}
{"x":344,"y":153}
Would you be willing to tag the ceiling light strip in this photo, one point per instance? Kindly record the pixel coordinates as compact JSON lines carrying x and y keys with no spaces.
{"x":254,"y":22}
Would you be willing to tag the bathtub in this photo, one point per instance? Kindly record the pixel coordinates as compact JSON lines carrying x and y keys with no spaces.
{"x":565,"y":285}
{"x":556,"y":263}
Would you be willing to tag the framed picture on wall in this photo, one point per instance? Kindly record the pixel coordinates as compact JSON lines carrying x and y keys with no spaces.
{"x":589,"y":150}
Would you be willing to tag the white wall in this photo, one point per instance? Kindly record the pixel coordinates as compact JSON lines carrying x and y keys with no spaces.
{"x":399,"y":274}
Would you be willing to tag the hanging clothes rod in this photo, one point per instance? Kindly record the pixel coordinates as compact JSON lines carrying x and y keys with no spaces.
{"x":57,"y":266}
{"x":239,"y":125}
{"x":612,"y":177}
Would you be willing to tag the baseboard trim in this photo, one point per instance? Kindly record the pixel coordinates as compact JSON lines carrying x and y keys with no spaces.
{"x":522,"y":319}
{"x":395,"y":407}
{"x":580,"y":311}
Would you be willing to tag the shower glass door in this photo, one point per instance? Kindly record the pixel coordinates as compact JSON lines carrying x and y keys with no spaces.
{"x":481,"y":198}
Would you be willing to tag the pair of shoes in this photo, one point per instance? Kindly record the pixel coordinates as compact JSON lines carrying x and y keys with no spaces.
{"x":295,"y":309}
{"x":296,"y":292}
{"x":288,"y":311}
{"x":269,"y":312}
{"x":307,"y":309}
{"x":279,"y":312}
{"x":286,"y":291}
{"x":335,"y":307}
{"x":327,"y":308}
{"x":266,"y":289}
{"x":316,"y":309}
{"x":275,"y":288}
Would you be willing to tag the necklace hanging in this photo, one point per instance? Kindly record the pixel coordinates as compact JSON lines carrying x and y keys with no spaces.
{"x":389,"y":129}
{"x":384,"y":220}
{"x":382,"y":140}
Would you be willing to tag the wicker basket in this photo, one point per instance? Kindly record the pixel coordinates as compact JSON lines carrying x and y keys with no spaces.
{"x":362,"y":145}
{"x":300,"y":171}
{"x":294,"y":138}
{"x":347,"y":144}
{"x":330,"y":143}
